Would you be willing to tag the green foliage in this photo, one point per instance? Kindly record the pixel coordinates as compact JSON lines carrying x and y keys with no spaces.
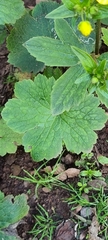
{"x":60,"y":12}
{"x":44,"y":226}
{"x":83,"y":187}
{"x":51,"y":51}
{"x":45,"y":180}
{"x":105,"y":35}
{"x":89,"y":173}
{"x":61,"y":110}
{"x":57,"y":52}
{"x":30,"y":114}
{"x":3,"y":34}
{"x":103,"y":160}
{"x":11,"y":211}
{"x":55,"y":72}
{"x":98,"y":200}
{"x":72,"y":93}
{"x":25,"y":28}
{"x":102,"y":12}
{"x":9,"y":140}
{"x":10,"y":11}
{"x":101,"y":201}
{"x":86,"y":60}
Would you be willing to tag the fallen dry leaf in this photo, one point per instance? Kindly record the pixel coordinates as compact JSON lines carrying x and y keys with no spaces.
{"x":46,"y":190}
{"x":65,"y":231}
{"x":59,"y":168}
{"x":62,"y":176}
{"x":94,"y":229}
{"x":97,"y":183}
{"x":47,"y":169}
{"x":68,"y":159}
{"x":72,"y":172}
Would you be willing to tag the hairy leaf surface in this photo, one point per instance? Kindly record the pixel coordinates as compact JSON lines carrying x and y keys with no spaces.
{"x":60,"y":12}
{"x":67,"y":35}
{"x":66,"y":93}
{"x":105,"y":35}
{"x":6,"y":236}
{"x":12,"y":209}
{"x":25,"y":28}
{"x":44,"y":134}
{"x":86,"y":60}
{"x":10,"y":11}
{"x":9,"y":140}
{"x":51,"y":52}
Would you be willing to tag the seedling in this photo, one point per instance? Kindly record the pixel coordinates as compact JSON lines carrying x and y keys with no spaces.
{"x":89,"y":173}
{"x":101,"y":200}
{"x":85,"y":160}
{"x":76,"y":197}
{"x":44,"y":226}
{"x":83,"y":187}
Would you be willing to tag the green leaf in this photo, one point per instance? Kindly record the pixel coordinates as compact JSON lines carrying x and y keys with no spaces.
{"x":102,"y":95}
{"x":86,"y":60}
{"x":12,"y":209}
{"x":79,"y":123}
{"x":105,"y":21}
{"x":10,"y":11}
{"x":37,"y":96}
{"x":105,"y":35}
{"x":60,"y":12}
{"x":9,"y":140}
{"x":5,"y":236}
{"x":104,"y":56}
{"x":102,"y":12}
{"x":52,"y":52}
{"x":72,"y":93}
{"x":68,"y":34}
{"x":3,"y":34}
{"x":69,"y":4}
{"x":30,"y":113}
{"x":25,"y":28}
{"x":103,"y":160}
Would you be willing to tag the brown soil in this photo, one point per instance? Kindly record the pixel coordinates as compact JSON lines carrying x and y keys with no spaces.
{"x":14,"y":164}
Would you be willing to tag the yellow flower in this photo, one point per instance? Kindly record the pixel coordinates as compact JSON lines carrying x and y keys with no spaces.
{"x":103,"y":2}
{"x":85,"y":28}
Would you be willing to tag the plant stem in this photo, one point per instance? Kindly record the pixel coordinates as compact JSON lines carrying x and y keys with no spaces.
{"x":98,"y":32}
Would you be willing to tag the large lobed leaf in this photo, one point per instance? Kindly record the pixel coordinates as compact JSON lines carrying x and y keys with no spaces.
{"x":25,"y":28}
{"x":44,"y":134}
{"x":9,"y":140}
{"x":10,"y":11}
{"x":12,"y":209}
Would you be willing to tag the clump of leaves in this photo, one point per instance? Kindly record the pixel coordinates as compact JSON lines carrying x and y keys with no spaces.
{"x":63,"y":109}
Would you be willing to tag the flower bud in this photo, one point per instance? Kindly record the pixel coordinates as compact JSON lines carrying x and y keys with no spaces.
{"x":94,"y":80}
{"x":85,"y":28}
